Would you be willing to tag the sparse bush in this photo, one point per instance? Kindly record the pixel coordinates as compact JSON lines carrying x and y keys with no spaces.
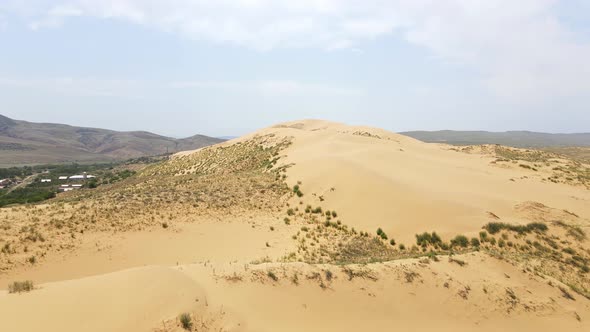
{"x":186,"y":321}
{"x":290,"y":212}
{"x":381,"y":233}
{"x":495,"y":227}
{"x":272,"y":275}
{"x":334,"y":214}
{"x":458,"y":261}
{"x":392,"y":242}
{"x":566,"y":294}
{"x":20,"y":286}
{"x":426,"y":238}
{"x":460,"y":240}
{"x":423,"y":239}
{"x":474,"y":242}
{"x":483,"y":236}
{"x":436,"y":240}
{"x":164,"y":225}
{"x":297,"y":191}
{"x":402,"y":246}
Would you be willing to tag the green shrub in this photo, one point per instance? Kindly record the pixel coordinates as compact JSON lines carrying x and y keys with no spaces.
{"x":20,"y":286}
{"x":334,"y":214}
{"x":423,"y":239}
{"x":297,"y":190}
{"x":435,"y":239}
{"x":290,"y":212}
{"x":381,"y":233}
{"x":495,"y":227}
{"x":426,"y":238}
{"x":186,"y":321}
{"x":402,"y":246}
{"x":483,"y":236}
{"x":392,"y":242}
{"x":474,"y":242}
{"x":460,"y":240}
{"x":317,"y":210}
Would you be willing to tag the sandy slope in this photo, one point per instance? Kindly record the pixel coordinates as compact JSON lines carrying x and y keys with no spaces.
{"x":131,"y":300}
{"x":406,"y":186}
{"x":243,"y":298}
{"x":211,"y":267}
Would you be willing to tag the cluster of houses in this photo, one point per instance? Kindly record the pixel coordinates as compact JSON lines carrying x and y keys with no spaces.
{"x":71,"y":186}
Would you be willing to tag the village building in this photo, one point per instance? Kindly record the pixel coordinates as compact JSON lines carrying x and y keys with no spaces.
{"x":4,"y":183}
{"x":45,"y":180}
{"x":81,"y":177}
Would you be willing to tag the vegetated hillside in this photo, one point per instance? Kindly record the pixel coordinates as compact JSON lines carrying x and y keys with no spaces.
{"x":24,"y":142}
{"x":348,"y":228}
{"x":522,"y":139}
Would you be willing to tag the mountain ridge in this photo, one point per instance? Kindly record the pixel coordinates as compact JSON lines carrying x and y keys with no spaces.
{"x":23,"y":142}
{"x":514,"y":138}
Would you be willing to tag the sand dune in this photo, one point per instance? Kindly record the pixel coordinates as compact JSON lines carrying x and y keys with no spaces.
{"x":131,"y":300}
{"x":225,"y":238}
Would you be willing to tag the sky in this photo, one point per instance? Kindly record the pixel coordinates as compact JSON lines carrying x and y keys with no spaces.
{"x":228,"y":67}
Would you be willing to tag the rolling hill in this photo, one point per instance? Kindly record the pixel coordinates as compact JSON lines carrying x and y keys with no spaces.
{"x":23,"y":143}
{"x":519,"y":139}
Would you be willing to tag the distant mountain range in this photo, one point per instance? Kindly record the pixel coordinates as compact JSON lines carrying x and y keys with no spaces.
{"x":520,"y":139}
{"x":25,"y":143}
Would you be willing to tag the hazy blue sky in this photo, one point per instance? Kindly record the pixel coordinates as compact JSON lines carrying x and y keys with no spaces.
{"x":222,"y":67}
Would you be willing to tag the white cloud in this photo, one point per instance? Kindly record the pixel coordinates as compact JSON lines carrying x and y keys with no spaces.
{"x":520,"y":48}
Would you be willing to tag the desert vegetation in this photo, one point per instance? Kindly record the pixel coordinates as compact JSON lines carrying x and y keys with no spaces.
{"x":20,"y":286}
